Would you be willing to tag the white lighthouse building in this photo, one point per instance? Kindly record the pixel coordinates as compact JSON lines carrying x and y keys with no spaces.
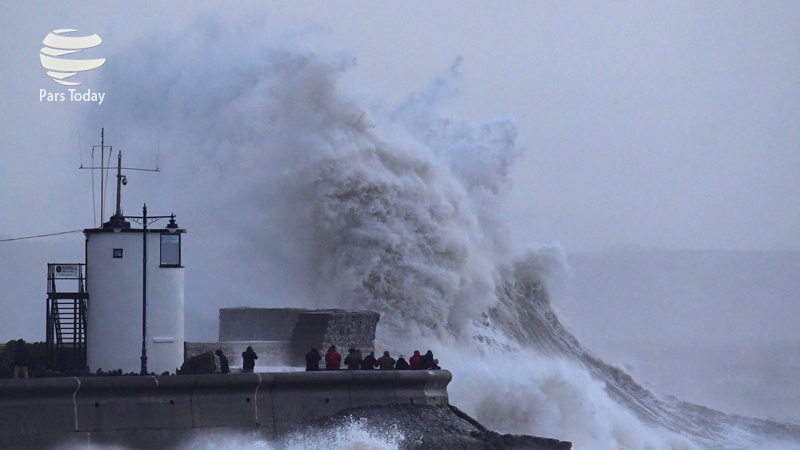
{"x":135,"y":282}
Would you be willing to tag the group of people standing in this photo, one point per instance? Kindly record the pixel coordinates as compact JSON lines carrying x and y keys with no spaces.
{"x":355,"y":361}
{"x":333,"y":361}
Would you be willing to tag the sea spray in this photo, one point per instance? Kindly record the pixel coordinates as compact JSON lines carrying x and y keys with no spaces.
{"x":353,"y":434}
{"x":550,"y":397}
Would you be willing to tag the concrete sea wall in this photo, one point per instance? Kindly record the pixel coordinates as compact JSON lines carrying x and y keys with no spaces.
{"x":158,"y":412}
{"x":257,"y":324}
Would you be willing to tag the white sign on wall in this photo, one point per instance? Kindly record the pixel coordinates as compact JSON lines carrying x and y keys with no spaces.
{"x":67,"y":271}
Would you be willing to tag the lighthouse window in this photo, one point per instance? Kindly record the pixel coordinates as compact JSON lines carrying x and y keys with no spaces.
{"x":117,"y":253}
{"x":171,"y":250}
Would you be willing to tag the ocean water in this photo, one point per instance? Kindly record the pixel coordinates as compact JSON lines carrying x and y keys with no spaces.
{"x":715,"y":328}
{"x":756,"y":379}
{"x":323,"y":196}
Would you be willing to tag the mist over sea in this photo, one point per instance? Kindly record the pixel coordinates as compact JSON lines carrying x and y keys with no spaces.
{"x":710,"y":327}
{"x":757,"y":379}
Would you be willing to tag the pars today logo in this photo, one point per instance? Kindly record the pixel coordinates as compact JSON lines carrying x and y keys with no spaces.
{"x":59,"y":44}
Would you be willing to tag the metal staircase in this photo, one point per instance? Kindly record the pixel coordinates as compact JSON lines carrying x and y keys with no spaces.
{"x":66,"y":316}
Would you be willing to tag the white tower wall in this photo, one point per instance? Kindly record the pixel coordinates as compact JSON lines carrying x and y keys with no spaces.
{"x":114,"y":313}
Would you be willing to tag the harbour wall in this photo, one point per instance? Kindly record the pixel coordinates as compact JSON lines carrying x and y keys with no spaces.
{"x":159,"y":412}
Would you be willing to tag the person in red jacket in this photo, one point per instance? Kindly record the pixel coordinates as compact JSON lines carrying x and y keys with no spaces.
{"x":333,"y":360}
{"x":415,"y":361}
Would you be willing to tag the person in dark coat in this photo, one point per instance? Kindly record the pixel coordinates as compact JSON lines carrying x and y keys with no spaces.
{"x":427,"y":360}
{"x":353,"y":360}
{"x":385,"y":362}
{"x":249,"y":358}
{"x":224,"y":367}
{"x":333,"y":360}
{"x":369,"y":362}
{"x":21,"y":359}
{"x":401,"y":363}
{"x":415,"y":361}
{"x":312,"y":360}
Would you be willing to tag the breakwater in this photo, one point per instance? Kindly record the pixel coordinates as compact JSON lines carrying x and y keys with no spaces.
{"x":159,"y":412}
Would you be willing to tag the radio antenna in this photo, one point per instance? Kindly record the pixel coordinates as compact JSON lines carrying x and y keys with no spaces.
{"x":121,"y":179}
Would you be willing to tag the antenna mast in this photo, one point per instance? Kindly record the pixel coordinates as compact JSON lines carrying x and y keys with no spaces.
{"x":102,"y":175}
{"x":121,"y":179}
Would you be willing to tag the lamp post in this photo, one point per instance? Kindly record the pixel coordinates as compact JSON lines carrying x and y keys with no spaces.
{"x":117,"y":224}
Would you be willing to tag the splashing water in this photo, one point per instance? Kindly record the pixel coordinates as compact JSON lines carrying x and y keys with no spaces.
{"x":353,"y":434}
{"x":396,"y":210}
{"x":350,"y":435}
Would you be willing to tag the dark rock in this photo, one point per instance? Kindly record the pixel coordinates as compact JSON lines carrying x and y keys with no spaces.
{"x":200,"y":364}
{"x":496,"y":440}
{"x":430,"y":427}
